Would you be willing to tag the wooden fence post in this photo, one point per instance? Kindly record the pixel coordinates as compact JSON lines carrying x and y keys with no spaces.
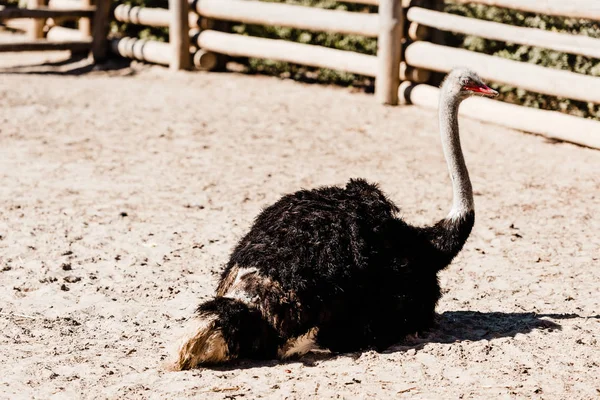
{"x":389,"y":43}
{"x":36,"y":29}
{"x":85,"y":24}
{"x":179,"y":34}
{"x":100,"y":28}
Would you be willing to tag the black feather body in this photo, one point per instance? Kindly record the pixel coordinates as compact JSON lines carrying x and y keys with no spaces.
{"x":338,"y":260}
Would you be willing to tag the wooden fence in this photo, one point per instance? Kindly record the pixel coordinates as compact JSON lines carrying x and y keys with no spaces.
{"x":387,"y":26}
{"x":57,"y":38}
{"x":410,"y":52}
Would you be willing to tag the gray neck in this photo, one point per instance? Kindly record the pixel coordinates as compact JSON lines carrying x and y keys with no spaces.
{"x":462,"y":203}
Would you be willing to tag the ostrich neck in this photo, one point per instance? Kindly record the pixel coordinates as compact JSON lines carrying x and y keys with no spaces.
{"x":462,"y":203}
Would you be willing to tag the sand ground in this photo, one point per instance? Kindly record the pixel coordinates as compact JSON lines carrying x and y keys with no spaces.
{"x":122,"y":193}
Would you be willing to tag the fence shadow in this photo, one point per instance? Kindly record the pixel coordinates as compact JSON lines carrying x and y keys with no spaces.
{"x":451,"y":327}
{"x":73,"y":65}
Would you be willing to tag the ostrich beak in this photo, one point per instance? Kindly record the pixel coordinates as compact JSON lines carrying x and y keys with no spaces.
{"x":483,"y":89}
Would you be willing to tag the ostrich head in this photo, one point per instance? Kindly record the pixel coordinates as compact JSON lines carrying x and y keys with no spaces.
{"x":463,"y":83}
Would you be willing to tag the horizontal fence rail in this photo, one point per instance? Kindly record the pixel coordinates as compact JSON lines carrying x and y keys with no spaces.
{"x":64,"y":4}
{"x":585,"y":9}
{"x":17,"y":24}
{"x":531,"y":77}
{"x":281,"y":50}
{"x":59,"y":33}
{"x":155,"y":17}
{"x":292,"y":16}
{"x":550,"y":124}
{"x":143,"y":50}
{"x":564,"y":42}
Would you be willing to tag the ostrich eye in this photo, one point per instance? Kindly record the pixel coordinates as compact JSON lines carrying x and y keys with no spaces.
{"x":465,"y":81}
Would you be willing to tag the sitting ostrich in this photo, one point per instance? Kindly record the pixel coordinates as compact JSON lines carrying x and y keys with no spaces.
{"x":336,"y":267}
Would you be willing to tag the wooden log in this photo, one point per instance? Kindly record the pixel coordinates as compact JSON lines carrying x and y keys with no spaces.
{"x":281,"y":50}
{"x":389,"y":51}
{"x":417,"y":31}
{"x":155,"y":17}
{"x":44,"y":13}
{"x":415,"y":75}
{"x":46,"y":45}
{"x":585,"y":9}
{"x":144,"y":50}
{"x":277,"y":14}
{"x":564,"y":42}
{"x":61,"y":34}
{"x":65,"y":4}
{"x":36,"y":27}
{"x":550,"y":124}
{"x":179,"y":35}
{"x":18,"y":24}
{"x":100,"y":28}
{"x":531,"y":77}
{"x":193,"y":19}
{"x":205,"y":60}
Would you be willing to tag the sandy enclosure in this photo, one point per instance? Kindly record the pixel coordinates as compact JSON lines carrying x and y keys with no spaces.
{"x":123,"y":192}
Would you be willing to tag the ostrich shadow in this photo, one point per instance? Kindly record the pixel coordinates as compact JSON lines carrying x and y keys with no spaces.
{"x":450,"y":327}
{"x":461,"y":326}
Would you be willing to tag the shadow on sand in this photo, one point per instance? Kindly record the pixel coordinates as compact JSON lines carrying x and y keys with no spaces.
{"x":452,"y":327}
{"x":75,"y":65}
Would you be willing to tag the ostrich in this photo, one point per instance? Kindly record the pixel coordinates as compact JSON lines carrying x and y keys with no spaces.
{"x":335,"y":267}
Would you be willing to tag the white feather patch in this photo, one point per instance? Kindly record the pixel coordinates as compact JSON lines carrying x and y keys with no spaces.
{"x":300,"y":345}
